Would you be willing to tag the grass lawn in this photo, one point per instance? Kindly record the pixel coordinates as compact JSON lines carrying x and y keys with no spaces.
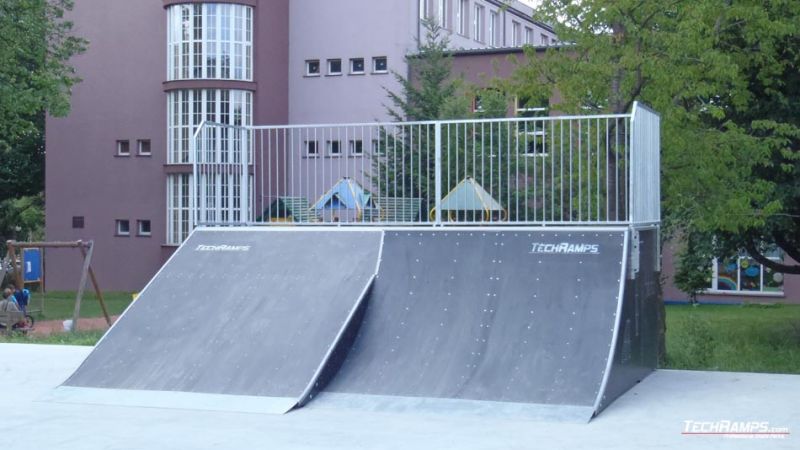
{"x":59,"y":305}
{"x":750,"y":338}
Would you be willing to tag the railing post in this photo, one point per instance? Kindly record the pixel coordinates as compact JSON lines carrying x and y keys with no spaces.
{"x":244,"y":185}
{"x":438,"y":174}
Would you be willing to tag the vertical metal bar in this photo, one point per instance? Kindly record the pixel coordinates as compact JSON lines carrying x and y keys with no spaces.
{"x":438,"y":173}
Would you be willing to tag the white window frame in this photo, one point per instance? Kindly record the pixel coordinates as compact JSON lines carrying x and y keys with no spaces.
{"x":493,"y":21}
{"x":140,"y":228}
{"x":140,"y":147}
{"x":463,"y":17}
{"x":516,"y":33}
{"x":309,"y":64}
{"x":187,"y":108}
{"x":307,"y":145}
{"x":375,"y":65}
{"x":353,"y":145}
{"x":121,"y":144}
{"x":331,"y":72}
{"x":363,"y":66}
{"x":119,"y":227}
{"x":529,"y":36}
{"x":545,"y":39}
{"x":329,"y":145}
{"x":441,"y":12}
{"x":739,"y":291}
{"x":478,"y":23}
{"x":210,"y":41}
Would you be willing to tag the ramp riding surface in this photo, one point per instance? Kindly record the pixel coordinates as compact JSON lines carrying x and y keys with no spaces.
{"x":486,"y":320}
{"x":243,"y":313}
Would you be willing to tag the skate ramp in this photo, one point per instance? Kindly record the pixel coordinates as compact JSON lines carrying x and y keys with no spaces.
{"x":491,"y":321}
{"x":238,"y":319}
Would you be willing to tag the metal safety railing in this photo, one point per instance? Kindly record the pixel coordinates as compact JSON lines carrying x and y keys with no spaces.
{"x":569,"y":170}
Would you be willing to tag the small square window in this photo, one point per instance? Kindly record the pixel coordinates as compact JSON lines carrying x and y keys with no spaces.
{"x":334,"y":148}
{"x":312,"y":68}
{"x":123,"y":148}
{"x":143,"y":228}
{"x":357,"y":147}
{"x":123,"y":228}
{"x":334,"y":67}
{"x":311,"y":149}
{"x":143,"y":147}
{"x":77,"y":222}
{"x":380,"y":65}
{"x":357,"y":66}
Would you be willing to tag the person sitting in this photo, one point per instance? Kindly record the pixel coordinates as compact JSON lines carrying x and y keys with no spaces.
{"x":9,"y":304}
{"x":22,"y":296}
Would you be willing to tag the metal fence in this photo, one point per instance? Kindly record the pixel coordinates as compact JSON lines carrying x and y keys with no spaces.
{"x":571,"y":170}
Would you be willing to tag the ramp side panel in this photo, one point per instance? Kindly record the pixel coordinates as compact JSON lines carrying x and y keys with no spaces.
{"x":255,"y":322}
{"x":483,"y":315}
{"x":636,"y":352}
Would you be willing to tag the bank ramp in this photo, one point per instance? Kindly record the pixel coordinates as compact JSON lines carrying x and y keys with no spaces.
{"x":496,"y":321}
{"x":238,"y":319}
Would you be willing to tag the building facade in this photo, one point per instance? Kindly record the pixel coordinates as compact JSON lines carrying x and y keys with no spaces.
{"x":119,"y":166}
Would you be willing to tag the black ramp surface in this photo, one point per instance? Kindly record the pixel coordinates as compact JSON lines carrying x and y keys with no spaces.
{"x":505,"y":316}
{"x":241,"y":312}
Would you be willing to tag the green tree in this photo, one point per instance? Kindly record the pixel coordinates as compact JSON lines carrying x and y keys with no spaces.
{"x":723,"y":74}
{"x":35,"y":80}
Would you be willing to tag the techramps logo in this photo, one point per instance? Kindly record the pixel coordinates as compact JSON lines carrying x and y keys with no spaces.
{"x":222,"y":248}
{"x":564,"y":248}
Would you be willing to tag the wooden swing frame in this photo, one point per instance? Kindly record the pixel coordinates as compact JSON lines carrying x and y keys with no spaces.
{"x":87,"y":273}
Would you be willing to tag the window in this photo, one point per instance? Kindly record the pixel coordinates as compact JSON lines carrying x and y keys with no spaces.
{"x":334,"y":67}
{"x":525,"y":107}
{"x":376,"y":147}
{"x":178,"y":211}
{"x":442,"y":13}
{"x":334,"y":148}
{"x":77,"y":222}
{"x":357,"y":66}
{"x":516,"y":34}
{"x":545,"y":39}
{"x":210,"y":41}
{"x":143,"y":146}
{"x":312,"y":68}
{"x":187,"y":108}
{"x":380,"y":65}
{"x":743,"y":274}
{"x":493,"y":28}
{"x":123,"y":148}
{"x":462,"y":17}
{"x":123,"y":228}
{"x":478,"y":24}
{"x":356,"y":148}
{"x":143,"y":228}
{"x":528,"y":36}
{"x":312,"y":150}
{"x":424,"y":9}
{"x":477,"y":104}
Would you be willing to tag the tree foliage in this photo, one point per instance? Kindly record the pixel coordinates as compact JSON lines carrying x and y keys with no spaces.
{"x":34,"y":72}
{"x":724,"y":76}
{"x":35,"y":80}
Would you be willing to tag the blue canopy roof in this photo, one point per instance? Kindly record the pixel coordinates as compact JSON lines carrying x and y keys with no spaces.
{"x":345,"y":194}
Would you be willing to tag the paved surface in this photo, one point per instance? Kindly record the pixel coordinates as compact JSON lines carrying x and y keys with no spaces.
{"x":651,"y":415}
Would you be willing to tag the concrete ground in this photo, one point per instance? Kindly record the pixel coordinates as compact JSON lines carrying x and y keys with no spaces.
{"x":652,"y":415}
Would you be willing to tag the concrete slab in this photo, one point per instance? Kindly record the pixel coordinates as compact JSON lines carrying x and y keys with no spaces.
{"x":651,"y":415}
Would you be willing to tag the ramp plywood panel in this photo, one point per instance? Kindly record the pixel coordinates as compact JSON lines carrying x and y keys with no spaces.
{"x":248,"y":313}
{"x":496,"y":315}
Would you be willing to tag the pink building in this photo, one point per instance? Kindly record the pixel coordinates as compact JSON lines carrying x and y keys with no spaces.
{"x":118,"y":167}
